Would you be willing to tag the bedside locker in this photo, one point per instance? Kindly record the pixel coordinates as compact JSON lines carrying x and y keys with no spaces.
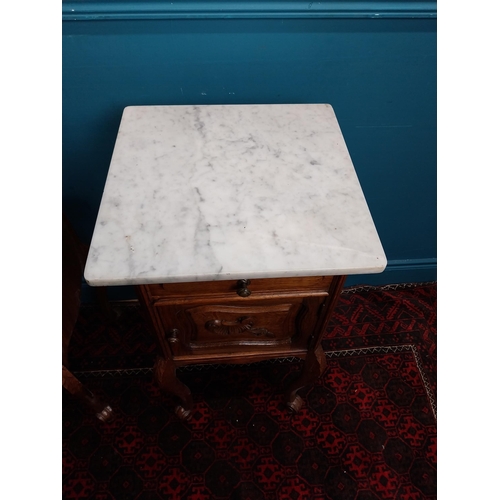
{"x":237,"y":225}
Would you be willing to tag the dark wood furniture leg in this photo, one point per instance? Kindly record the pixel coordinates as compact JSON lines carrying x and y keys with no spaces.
{"x":164,"y":370}
{"x":102,"y":411}
{"x":315,"y":361}
{"x":74,"y":253}
{"x":314,"y":366}
{"x":166,"y":378}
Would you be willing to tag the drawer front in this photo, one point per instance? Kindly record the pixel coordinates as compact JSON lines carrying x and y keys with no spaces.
{"x":225,"y":326}
{"x":241,"y":288}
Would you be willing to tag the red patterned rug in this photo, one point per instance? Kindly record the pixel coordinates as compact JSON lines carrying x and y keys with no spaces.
{"x":367,"y":429}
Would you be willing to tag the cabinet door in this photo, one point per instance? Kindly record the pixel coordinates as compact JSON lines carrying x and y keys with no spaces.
{"x":217,"y":325}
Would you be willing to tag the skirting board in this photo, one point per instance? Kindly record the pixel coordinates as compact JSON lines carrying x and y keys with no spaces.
{"x":397,"y":271}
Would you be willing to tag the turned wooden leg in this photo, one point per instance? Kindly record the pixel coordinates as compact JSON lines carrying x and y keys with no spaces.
{"x":164,"y":372}
{"x":102,"y":411}
{"x":314,"y":366}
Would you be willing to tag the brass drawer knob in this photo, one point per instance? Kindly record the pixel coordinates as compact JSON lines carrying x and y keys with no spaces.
{"x":241,"y":288}
{"x":173,"y":336}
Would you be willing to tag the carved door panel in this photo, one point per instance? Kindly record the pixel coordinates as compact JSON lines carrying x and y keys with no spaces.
{"x":208,"y":326}
{"x":224,"y":326}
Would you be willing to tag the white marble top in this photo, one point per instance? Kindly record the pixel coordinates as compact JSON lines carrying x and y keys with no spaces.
{"x":202,"y":193}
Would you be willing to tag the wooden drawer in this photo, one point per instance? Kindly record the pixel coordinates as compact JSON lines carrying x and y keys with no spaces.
{"x":233,"y":288}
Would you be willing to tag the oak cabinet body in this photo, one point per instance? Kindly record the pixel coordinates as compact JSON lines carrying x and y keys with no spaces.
{"x":213,"y":322}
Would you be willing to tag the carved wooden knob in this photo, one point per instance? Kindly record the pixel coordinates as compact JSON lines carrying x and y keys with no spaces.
{"x":242,"y":289}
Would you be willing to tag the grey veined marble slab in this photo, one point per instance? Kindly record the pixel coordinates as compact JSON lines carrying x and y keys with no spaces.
{"x":201,"y":193}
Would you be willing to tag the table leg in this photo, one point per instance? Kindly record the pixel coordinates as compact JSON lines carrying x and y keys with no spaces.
{"x":166,"y":378}
{"x":315,"y":362}
{"x":314,"y":366}
{"x":102,"y":411}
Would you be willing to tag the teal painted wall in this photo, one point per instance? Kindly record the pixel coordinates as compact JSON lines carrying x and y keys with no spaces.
{"x":375,"y":63}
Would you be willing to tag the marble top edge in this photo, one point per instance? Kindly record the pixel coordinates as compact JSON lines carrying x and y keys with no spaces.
{"x":235,"y":276}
